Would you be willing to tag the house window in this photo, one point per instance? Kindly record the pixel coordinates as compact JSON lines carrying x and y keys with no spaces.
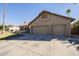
{"x":44,"y":16}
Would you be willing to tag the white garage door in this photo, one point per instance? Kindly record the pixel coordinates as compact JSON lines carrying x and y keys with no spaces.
{"x":59,"y":29}
{"x":41,"y":30}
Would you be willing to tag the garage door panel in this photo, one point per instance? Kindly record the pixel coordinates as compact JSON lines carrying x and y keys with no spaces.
{"x":59,"y":29}
{"x":41,"y":30}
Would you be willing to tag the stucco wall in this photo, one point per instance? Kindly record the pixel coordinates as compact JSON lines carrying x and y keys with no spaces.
{"x":41,"y":21}
{"x":56,"y":20}
{"x":53,"y":20}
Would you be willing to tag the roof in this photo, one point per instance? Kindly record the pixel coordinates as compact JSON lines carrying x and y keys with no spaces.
{"x":52,"y":14}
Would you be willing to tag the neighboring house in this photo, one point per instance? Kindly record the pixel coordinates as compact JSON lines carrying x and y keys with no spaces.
{"x":51,"y":23}
{"x":14,"y":28}
{"x":23,"y":28}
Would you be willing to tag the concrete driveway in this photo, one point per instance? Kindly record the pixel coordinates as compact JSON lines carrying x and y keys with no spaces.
{"x":29,"y":47}
{"x":36,"y":48}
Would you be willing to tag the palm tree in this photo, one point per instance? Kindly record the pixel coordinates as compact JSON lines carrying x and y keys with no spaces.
{"x":68,"y":11}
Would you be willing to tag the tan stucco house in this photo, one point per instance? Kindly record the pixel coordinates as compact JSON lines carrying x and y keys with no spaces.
{"x":51,"y":23}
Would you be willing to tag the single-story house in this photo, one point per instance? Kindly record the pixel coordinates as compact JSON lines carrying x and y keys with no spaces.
{"x":23,"y":27}
{"x":51,"y":23}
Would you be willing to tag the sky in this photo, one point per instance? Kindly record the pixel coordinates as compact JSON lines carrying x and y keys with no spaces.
{"x":18,"y":13}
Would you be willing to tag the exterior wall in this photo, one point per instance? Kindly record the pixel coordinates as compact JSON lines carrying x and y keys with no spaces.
{"x":40,"y":21}
{"x":68,"y":28}
{"x":62,"y":21}
{"x":52,"y":20}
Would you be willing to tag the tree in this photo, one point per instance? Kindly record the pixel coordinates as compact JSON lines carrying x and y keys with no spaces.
{"x":1,"y":27}
{"x":68,"y":11}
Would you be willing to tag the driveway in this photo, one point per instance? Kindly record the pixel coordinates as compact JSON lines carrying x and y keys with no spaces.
{"x":31,"y":47}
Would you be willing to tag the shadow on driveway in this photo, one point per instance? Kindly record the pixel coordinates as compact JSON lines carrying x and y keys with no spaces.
{"x":30,"y":37}
{"x":73,"y":40}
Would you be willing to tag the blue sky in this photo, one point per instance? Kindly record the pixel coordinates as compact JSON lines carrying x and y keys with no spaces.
{"x":20,"y":12}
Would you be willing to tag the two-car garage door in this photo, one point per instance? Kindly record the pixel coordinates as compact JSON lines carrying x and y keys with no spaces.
{"x":54,"y":29}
